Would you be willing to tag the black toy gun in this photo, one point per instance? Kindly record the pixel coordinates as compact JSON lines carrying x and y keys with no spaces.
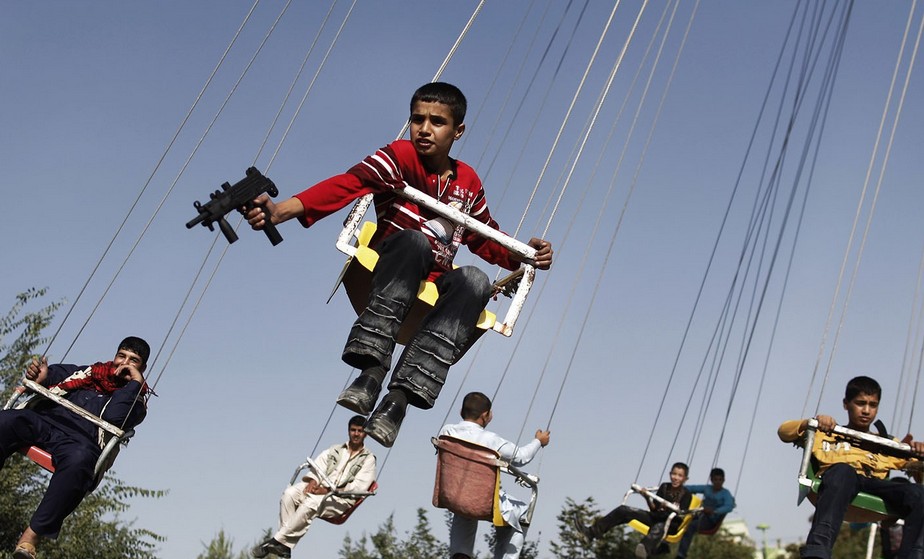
{"x":229,"y":198}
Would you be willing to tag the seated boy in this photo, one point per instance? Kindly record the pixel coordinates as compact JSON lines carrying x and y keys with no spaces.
{"x":717,"y":502}
{"x":413,"y":244}
{"x":112,"y":391}
{"x":671,"y":491}
{"x":846,"y":469}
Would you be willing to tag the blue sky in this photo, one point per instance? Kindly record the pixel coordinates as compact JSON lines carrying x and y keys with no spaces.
{"x":92,"y":94}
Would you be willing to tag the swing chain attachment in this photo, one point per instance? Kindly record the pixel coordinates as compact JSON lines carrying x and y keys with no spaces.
{"x":235,"y":197}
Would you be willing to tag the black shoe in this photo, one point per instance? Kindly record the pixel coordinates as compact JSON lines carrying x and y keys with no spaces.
{"x":385,"y":421}
{"x":581,"y":528}
{"x":271,"y":547}
{"x":361,"y":395}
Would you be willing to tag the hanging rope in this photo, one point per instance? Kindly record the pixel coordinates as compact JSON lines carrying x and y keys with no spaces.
{"x":144,"y":187}
{"x":561,"y":128}
{"x":870,"y":214}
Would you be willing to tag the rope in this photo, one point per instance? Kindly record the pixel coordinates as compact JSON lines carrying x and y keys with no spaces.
{"x":529,"y":134}
{"x":309,"y":88}
{"x":144,"y":187}
{"x":285,"y":100}
{"x":612,"y":184}
{"x":853,"y":231}
{"x":574,"y":98}
{"x":487,"y":95}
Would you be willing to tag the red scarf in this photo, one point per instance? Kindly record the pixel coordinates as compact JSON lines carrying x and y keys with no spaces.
{"x":102,"y":378}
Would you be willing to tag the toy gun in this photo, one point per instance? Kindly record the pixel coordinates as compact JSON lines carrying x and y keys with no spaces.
{"x":240,"y":195}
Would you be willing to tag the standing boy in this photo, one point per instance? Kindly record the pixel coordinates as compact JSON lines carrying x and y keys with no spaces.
{"x":717,"y":502}
{"x":655,"y":517}
{"x":847,"y":469}
{"x":413,"y":244}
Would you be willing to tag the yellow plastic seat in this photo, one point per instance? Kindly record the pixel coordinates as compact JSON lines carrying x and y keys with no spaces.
{"x":357,"y":279}
{"x":671,"y":537}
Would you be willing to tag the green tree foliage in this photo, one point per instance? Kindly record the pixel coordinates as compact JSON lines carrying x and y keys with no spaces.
{"x":530,"y":546}
{"x":621,"y":541}
{"x":616,"y":543}
{"x":721,"y":545}
{"x":851,"y":544}
{"x":222,"y":547}
{"x":419,"y":543}
{"x":96,"y":529}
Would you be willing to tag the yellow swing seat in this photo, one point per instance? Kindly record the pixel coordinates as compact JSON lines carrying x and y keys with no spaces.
{"x":115,"y":437}
{"x":669,"y":537}
{"x":468,"y":480}
{"x":356,"y":275}
{"x":357,"y":279}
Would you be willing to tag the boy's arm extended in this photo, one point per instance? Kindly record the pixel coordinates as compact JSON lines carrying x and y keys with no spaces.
{"x":794,"y":430}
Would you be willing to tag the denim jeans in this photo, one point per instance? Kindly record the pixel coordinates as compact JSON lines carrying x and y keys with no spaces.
{"x":445,"y":333}
{"x":839,"y":485}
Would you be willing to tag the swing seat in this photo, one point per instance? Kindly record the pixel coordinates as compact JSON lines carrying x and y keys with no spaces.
{"x":23,"y":394}
{"x":864,"y":507}
{"x":357,"y":280}
{"x":468,"y":480}
{"x":353,"y":241}
{"x":341,"y":518}
{"x":359,"y":495}
{"x":669,"y":537}
{"x":713,"y":530}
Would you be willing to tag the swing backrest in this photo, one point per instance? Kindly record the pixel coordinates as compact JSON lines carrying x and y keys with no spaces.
{"x":340,"y":519}
{"x":864,"y":507}
{"x":115,"y":437}
{"x":467,"y":479}
{"x":711,"y":531}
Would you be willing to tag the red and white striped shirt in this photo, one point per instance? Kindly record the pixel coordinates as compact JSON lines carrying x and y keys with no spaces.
{"x":393,"y":167}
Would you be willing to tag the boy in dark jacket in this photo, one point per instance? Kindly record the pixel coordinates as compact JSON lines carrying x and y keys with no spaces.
{"x":111,"y":391}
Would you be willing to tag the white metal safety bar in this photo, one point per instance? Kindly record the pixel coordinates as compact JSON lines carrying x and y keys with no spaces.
{"x":524,"y":251}
{"x":44,"y":392}
{"x":326,"y":482}
{"x":890,"y":446}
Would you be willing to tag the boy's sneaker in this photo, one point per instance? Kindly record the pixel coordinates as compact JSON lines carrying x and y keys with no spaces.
{"x":271,"y":547}
{"x":640,"y":551}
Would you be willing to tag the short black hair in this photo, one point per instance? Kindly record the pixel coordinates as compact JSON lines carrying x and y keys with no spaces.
{"x":135,"y":344}
{"x":357,"y":420}
{"x":682,"y":466}
{"x":474,"y":404}
{"x":717,"y":472}
{"x":862,"y":385}
{"x":445,"y":93}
